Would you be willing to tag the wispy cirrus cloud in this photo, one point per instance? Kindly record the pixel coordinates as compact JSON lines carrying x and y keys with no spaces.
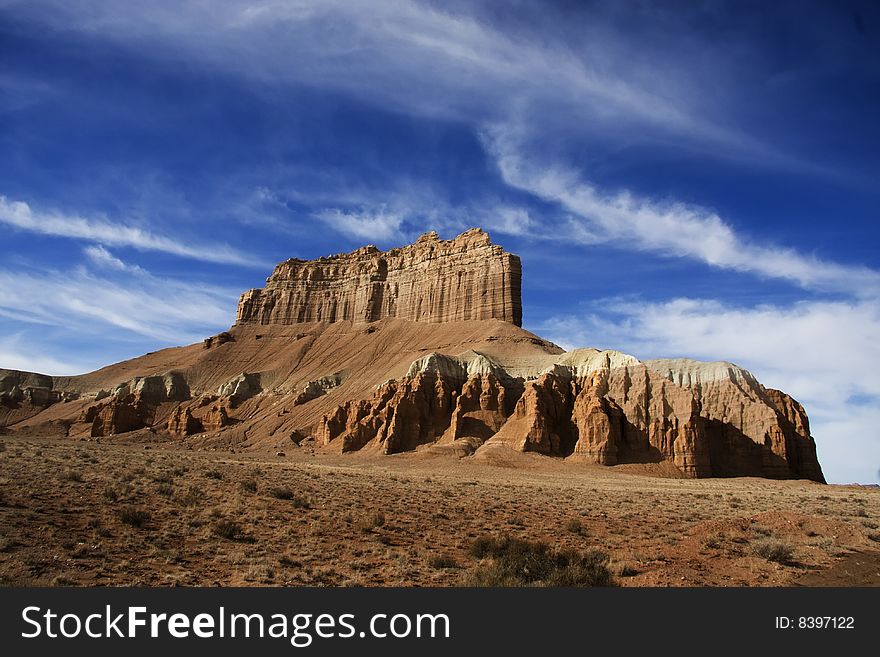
{"x":171,"y":311}
{"x":21,"y":215}
{"x":370,"y":224}
{"x":670,"y":228}
{"x":102,"y":258}
{"x":428,"y":60}
{"x":445,"y":62}
{"x":19,"y":352}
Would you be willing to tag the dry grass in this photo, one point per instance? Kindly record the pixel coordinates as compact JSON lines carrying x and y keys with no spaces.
{"x":134,"y":517}
{"x":773,"y":549}
{"x":508,"y":561}
{"x":398,"y":521}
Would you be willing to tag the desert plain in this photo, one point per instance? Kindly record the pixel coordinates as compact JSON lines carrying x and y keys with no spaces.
{"x":138,"y":510}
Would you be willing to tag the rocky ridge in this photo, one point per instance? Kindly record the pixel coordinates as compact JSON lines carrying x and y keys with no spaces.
{"x":419,"y":349}
{"x":603,"y":407}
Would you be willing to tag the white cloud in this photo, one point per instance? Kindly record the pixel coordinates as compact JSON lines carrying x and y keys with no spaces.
{"x":414,"y":57}
{"x":20,"y":215}
{"x":511,"y":221}
{"x":104,"y":259}
{"x":18,"y":352}
{"x":823,"y":353}
{"x":673,"y":228}
{"x":374,"y":224}
{"x":175,"y":312}
{"x":417,"y":58}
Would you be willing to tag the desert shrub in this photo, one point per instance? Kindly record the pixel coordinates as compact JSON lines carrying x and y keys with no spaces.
{"x":231,"y":531}
{"x":249,"y":486}
{"x":626,"y":570}
{"x":373,"y":521}
{"x":300,"y":502}
{"x":875,"y":537}
{"x":193,"y":496}
{"x":164,"y":488}
{"x":281,"y":493}
{"x":285,"y":493}
{"x":575,"y":526}
{"x":164,"y":478}
{"x":773,"y":549}
{"x":134,"y":517}
{"x":442,"y":561}
{"x":482,"y":547}
{"x":713,"y":541}
{"x":214,"y":474}
{"x":72,"y":475}
{"x":517,"y":562}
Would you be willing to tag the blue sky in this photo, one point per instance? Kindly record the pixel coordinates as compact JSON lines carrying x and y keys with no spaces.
{"x":680,"y":179}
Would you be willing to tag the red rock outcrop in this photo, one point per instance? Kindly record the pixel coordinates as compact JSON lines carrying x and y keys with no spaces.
{"x":342,"y":382}
{"x":602,"y":407}
{"x":401,"y":416}
{"x":182,"y":422}
{"x":215,"y":418}
{"x":117,"y":416}
{"x":433,"y":280}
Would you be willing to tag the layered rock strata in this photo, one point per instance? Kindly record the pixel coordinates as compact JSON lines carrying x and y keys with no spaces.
{"x":339,"y":377}
{"x":433,"y":280}
{"x":709,"y":419}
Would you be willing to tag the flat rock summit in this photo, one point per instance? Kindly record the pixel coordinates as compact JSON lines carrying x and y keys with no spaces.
{"x":433,"y":280}
{"x":420,"y":349}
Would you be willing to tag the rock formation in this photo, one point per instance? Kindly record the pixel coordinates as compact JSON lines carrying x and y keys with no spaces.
{"x":420,"y":347}
{"x":242,"y":387}
{"x":32,"y":389}
{"x":433,"y":280}
{"x":601,"y":407}
{"x":183,"y":423}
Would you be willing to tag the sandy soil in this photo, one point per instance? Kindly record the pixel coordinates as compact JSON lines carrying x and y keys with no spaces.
{"x":111,"y":513}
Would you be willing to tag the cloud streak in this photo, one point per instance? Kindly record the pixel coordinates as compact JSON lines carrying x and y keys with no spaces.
{"x":377,"y":224}
{"x":415,"y":58}
{"x":18,"y":352}
{"x":418,"y":59}
{"x":19,"y":214}
{"x":172,"y":311}
{"x":673,"y":229}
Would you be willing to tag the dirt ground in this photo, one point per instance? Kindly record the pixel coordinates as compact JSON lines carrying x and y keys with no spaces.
{"x":108,"y":513}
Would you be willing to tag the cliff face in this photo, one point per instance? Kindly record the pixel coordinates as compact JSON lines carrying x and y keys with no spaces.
{"x":391,"y":352}
{"x":709,"y":419}
{"x":433,"y":280}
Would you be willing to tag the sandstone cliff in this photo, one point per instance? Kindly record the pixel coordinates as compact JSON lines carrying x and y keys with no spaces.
{"x":433,"y":280}
{"x":709,"y":419}
{"x":419,"y":348}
